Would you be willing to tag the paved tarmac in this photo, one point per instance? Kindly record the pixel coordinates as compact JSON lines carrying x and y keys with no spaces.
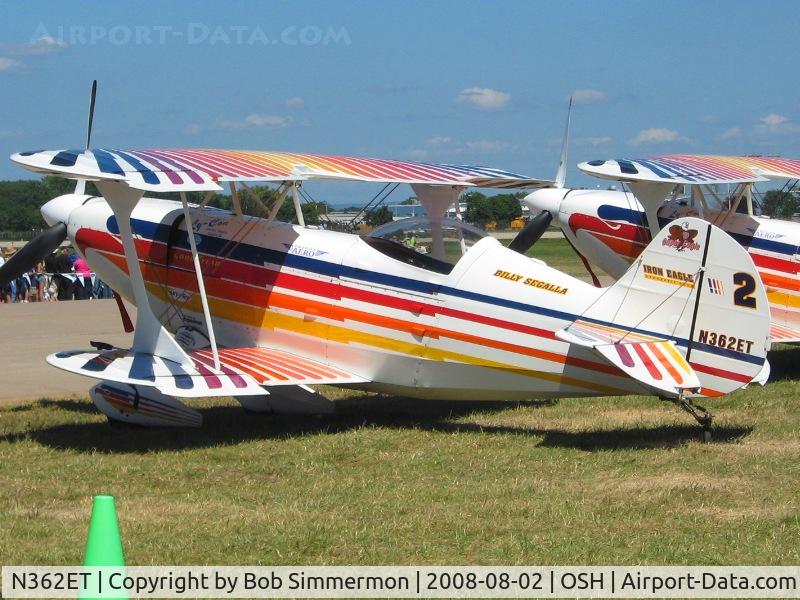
{"x":29,"y":332}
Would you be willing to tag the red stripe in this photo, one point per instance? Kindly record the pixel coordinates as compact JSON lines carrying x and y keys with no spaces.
{"x":624,"y":355}
{"x":723,"y":373}
{"x":776,"y":264}
{"x":651,"y":368}
{"x":304,"y":370}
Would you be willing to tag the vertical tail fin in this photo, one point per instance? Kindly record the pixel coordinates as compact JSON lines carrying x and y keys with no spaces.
{"x":697,"y":287}
{"x":561,"y":174}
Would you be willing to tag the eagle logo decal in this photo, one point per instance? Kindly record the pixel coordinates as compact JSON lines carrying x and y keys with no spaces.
{"x":682,"y":238}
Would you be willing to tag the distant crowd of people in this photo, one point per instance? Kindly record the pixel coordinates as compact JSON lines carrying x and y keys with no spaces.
{"x":64,"y":275}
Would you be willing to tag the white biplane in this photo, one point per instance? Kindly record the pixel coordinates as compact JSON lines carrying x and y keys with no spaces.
{"x":610,"y":228}
{"x":233,"y":305}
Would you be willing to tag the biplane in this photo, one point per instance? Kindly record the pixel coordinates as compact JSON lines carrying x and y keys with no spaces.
{"x":229,"y":304}
{"x":610,"y":228}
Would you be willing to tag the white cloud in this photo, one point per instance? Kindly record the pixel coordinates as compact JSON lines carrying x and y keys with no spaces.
{"x":733,"y":132}
{"x":483,"y":98}
{"x":588,"y":96}
{"x":417,"y":153}
{"x":192,"y":129}
{"x":593,"y":141}
{"x":774,"y":124}
{"x":773,"y":120}
{"x":488,"y":146}
{"x":6,"y":64}
{"x":439,"y":140}
{"x":295,"y":102}
{"x":45,"y":44}
{"x":256,"y":120}
{"x":654,"y":135}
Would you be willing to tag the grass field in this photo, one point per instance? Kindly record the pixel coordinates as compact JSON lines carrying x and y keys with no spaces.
{"x":595,"y":481}
{"x":390,"y":480}
{"x":556,"y":252}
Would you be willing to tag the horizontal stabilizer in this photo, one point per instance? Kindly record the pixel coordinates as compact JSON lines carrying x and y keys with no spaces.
{"x":652,"y":361}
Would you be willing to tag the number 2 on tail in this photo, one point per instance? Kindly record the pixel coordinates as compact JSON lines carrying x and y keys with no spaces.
{"x":745,"y":286}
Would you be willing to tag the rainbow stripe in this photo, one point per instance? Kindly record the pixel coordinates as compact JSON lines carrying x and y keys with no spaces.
{"x":695,"y":169}
{"x":201,"y":169}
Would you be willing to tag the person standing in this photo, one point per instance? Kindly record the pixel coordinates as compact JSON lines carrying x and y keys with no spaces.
{"x":83,"y":283}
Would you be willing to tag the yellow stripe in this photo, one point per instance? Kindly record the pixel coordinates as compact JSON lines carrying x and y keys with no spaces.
{"x":673,"y":352}
{"x":780,"y":299}
{"x":264,"y":319}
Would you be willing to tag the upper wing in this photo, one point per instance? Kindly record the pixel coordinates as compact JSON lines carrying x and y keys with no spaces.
{"x":694,"y":169}
{"x":201,"y":169}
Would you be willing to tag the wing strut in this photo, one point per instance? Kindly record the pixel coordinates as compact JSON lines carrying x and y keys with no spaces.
{"x":149,"y":336}
{"x":297,"y":208}
{"x":200,"y":285}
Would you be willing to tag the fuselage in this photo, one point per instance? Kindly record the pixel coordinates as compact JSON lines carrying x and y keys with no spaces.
{"x":483,"y":329}
{"x":618,"y":222}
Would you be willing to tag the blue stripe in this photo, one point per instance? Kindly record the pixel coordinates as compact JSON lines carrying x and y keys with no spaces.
{"x":656,"y":169}
{"x":142,"y":367}
{"x":147,"y":174}
{"x":258,"y":256}
{"x":107,"y":163}
{"x":66,"y":158}
{"x":610,"y":212}
{"x":749,"y":241}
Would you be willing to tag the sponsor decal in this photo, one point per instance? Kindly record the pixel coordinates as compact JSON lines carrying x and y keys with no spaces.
{"x":207,"y":263}
{"x":681,"y":238}
{"x":304,"y":250}
{"x":191,"y":338}
{"x":766,"y":235}
{"x":729,"y":342}
{"x":670,"y":276}
{"x":530,"y":281}
{"x":179,"y":295}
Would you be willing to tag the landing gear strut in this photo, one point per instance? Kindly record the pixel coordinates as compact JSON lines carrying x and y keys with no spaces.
{"x":702,"y":416}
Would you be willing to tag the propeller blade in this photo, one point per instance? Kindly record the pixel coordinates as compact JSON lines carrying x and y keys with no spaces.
{"x":37,"y":249}
{"x":531,"y":233}
{"x":127,"y":324}
{"x":91,"y":115}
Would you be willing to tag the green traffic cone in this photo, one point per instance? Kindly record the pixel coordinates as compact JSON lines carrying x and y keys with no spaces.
{"x":104,"y":545}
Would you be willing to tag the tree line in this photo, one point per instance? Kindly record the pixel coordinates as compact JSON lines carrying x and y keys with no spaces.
{"x":20,"y":202}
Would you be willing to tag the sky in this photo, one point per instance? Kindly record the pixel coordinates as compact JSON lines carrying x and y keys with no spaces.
{"x":458,"y":82}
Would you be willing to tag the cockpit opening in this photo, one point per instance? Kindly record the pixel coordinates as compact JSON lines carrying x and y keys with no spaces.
{"x":419,"y":241}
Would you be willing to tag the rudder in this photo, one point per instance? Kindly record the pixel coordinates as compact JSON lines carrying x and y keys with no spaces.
{"x":696,"y":286}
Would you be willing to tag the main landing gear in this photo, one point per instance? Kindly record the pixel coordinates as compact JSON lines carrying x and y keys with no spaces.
{"x":702,"y":416}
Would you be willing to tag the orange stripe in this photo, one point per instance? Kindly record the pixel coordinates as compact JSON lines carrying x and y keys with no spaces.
{"x":678,"y":358}
{"x":786,"y":283}
{"x":667,"y":364}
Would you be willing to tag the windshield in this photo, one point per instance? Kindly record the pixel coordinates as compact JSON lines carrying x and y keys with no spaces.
{"x":446,"y":241}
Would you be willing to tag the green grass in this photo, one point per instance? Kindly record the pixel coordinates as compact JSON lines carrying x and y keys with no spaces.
{"x":593,"y":481}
